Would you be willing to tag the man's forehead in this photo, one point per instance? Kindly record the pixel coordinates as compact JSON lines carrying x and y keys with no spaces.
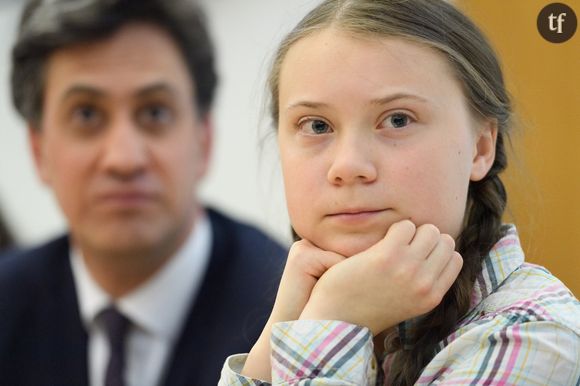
{"x":138,"y":60}
{"x":133,"y":47}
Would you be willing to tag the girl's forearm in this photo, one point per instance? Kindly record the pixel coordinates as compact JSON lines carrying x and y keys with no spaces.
{"x":258,"y":364}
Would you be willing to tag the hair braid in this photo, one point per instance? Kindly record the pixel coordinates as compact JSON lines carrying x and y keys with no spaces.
{"x":482,"y":229}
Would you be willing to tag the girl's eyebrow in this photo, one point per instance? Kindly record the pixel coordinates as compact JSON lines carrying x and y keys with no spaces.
{"x":312,"y":105}
{"x":379,"y":101}
{"x":389,"y":98}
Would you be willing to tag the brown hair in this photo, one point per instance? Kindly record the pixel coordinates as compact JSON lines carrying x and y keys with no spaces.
{"x":47,"y":26}
{"x":436,"y":24}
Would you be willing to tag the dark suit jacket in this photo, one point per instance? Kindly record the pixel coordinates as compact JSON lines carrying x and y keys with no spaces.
{"x":43,"y":342}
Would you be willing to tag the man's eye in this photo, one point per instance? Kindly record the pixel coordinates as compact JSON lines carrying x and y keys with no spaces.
{"x":315,"y":126}
{"x":155,"y":115}
{"x":397,"y":120}
{"x":87,"y":116}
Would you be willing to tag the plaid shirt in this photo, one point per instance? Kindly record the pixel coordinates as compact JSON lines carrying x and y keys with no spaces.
{"x":523,"y":328}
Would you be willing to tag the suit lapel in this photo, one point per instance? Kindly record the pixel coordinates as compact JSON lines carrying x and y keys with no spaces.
{"x":59,"y":344}
{"x":188,"y":363}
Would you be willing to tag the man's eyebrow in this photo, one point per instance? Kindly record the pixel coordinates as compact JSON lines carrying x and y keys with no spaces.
{"x":83,"y":90}
{"x":94,"y":92}
{"x":156,"y":88}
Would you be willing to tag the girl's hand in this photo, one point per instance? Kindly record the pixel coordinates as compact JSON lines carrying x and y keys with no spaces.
{"x":404,"y":275}
{"x":305,"y":265}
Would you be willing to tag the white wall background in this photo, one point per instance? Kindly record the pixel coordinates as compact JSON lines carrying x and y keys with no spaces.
{"x":245,"y":176}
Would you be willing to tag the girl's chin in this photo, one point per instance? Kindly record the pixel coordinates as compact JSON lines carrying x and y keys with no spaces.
{"x":349,"y":245}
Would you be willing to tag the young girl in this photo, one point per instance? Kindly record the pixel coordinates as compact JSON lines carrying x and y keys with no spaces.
{"x":391,"y":120}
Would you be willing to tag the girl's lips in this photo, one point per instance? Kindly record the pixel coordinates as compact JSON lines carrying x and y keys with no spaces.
{"x":356,"y":215}
{"x":356,"y":211}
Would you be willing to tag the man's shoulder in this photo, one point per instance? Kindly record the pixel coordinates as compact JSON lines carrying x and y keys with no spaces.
{"x":30,"y":264}
{"x":245,"y":237}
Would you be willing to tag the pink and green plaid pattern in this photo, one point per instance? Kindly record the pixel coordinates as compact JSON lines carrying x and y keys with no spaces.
{"x":523,"y":329}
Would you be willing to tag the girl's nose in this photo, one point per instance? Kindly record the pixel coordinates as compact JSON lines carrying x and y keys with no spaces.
{"x":353,"y":162}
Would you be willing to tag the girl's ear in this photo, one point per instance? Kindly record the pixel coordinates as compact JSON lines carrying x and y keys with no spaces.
{"x":484,"y":150}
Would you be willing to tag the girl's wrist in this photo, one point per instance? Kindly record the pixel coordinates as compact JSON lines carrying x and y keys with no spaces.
{"x":321,"y":312}
{"x":313,"y":311}
{"x":257,"y":364}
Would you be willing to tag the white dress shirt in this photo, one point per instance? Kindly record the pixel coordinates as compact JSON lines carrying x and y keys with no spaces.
{"x":157,"y":310}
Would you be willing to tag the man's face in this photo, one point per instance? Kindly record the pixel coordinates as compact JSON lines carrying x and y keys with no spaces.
{"x":121,"y":143}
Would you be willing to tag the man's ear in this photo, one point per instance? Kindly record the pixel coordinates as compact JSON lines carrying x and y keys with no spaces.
{"x":484,"y":149}
{"x":205,"y":138}
{"x":36,"y":143}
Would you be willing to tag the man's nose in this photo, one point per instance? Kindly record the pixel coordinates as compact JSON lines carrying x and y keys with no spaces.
{"x":125,"y":150}
{"x":353,"y":161}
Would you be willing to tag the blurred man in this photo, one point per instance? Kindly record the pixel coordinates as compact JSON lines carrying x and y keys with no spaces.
{"x":117,"y":97}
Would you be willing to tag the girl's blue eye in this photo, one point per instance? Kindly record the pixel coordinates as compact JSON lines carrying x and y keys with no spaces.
{"x":315,"y":126}
{"x":398,"y":120}
{"x":319,"y":127}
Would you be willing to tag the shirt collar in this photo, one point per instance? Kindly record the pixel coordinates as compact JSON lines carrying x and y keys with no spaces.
{"x":159,"y":305}
{"x":503,"y":259}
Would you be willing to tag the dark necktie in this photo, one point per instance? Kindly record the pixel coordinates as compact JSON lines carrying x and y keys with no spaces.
{"x":116,"y":326}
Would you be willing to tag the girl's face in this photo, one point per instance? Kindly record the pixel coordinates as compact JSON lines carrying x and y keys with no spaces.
{"x":371,"y":132}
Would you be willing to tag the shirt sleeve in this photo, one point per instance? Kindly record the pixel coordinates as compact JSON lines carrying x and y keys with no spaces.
{"x":322,"y":352}
{"x":232,"y":373}
{"x":313,"y":352}
{"x":534,"y":353}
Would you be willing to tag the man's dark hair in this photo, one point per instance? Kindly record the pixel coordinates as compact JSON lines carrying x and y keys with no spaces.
{"x":6,"y":240}
{"x":48,"y":25}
